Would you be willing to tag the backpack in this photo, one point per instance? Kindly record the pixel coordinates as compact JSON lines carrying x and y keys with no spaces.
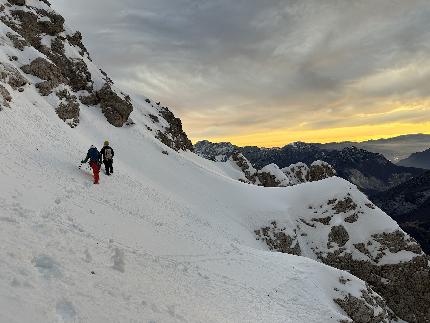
{"x":108,"y":153}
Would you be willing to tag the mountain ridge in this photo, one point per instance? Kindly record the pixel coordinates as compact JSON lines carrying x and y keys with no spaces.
{"x":419,"y":159}
{"x":370,"y":171}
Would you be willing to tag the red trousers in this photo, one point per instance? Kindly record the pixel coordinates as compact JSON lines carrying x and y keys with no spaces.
{"x":96,"y":170}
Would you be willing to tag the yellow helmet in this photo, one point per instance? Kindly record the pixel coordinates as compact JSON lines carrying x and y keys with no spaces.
{"x":106,"y":143}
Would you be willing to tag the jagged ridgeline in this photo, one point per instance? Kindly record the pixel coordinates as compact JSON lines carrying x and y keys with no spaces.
{"x":45,"y":53}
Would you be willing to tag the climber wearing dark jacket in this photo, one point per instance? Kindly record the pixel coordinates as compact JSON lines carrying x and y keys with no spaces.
{"x":95,"y":159}
{"x":107,"y":153}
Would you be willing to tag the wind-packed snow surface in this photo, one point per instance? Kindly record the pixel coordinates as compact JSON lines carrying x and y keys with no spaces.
{"x":168,"y":238}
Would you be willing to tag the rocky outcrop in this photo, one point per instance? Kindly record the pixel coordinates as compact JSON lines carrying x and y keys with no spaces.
{"x":278,"y":240}
{"x":12,"y":76}
{"x":68,"y":108}
{"x":368,"y":308}
{"x":338,"y":235}
{"x":245,"y":166}
{"x":173,"y":135}
{"x":115,"y":109}
{"x":220,"y":152}
{"x":335,"y":232}
{"x":267,"y":179}
{"x":76,"y":40}
{"x":46,"y":71}
{"x":17,"y":41}
{"x":5,"y":97}
{"x":17,"y":2}
{"x":320,"y":170}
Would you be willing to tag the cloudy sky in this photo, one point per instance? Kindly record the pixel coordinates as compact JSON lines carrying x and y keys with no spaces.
{"x":268,"y":72}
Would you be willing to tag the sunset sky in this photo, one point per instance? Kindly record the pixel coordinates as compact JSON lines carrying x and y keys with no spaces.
{"x":269,"y":72}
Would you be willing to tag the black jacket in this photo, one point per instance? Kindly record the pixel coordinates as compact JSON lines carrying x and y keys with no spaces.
{"x":103,"y":152}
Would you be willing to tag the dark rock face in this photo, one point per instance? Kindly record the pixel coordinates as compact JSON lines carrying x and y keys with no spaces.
{"x":409,"y":205}
{"x":174,"y":136}
{"x":17,"y":2}
{"x":362,"y":309}
{"x":68,"y":109}
{"x":267,"y":180}
{"x":215,"y":151}
{"x":10,"y":75}
{"x":115,"y":109}
{"x":339,"y":235}
{"x":18,"y":42}
{"x":47,"y":71}
{"x":76,"y":40}
{"x":5,"y":97}
{"x":245,"y":166}
{"x":404,"y":286}
{"x":278,"y":240}
{"x":320,"y":171}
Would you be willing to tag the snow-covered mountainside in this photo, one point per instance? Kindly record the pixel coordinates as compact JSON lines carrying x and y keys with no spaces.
{"x":409,"y":205}
{"x":371,"y":172}
{"x":419,"y":159}
{"x":170,"y":237}
{"x":54,"y":60}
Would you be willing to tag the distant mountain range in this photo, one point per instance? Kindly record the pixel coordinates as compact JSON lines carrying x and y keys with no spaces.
{"x":371,"y":172}
{"x":419,"y":159}
{"x":394,"y":149}
{"x":409,"y":205}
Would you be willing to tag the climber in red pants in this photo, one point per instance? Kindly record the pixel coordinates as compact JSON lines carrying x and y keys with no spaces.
{"x":95,"y":159}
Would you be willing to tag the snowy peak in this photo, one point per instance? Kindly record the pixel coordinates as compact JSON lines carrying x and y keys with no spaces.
{"x":215,"y":151}
{"x":43,"y":52}
{"x":371,"y":172}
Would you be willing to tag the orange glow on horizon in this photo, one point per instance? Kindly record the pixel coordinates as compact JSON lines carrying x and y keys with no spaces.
{"x":279,"y":138}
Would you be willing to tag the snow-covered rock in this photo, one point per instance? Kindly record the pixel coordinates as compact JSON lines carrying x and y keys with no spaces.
{"x":344,"y":230}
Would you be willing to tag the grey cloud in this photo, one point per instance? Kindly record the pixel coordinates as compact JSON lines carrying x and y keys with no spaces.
{"x":272,"y":63}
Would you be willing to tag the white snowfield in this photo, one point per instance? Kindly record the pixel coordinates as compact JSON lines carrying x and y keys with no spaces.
{"x":167,"y":238}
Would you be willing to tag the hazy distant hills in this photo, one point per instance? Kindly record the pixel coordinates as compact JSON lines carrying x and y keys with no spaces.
{"x":419,"y":159}
{"x":394,"y":149}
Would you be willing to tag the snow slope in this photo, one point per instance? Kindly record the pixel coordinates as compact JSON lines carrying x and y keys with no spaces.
{"x":167,"y":237}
